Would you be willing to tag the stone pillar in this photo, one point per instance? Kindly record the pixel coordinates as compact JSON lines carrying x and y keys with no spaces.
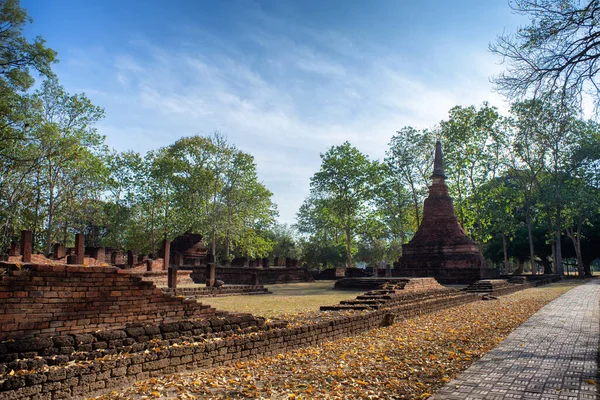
{"x":259,"y":263}
{"x":118,"y":255}
{"x":26,"y":245}
{"x":276,"y":262}
{"x":255,"y":280}
{"x":245,"y":262}
{"x":72,"y":259}
{"x":172,"y":278}
{"x":59,"y":251}
{"x":210,"y":271}
{"x":177,"y":259}
{"x":148,"y":265}
{"x":100,"y":253}
{"x":131,"y":257}
{"x":79,"y":248}
{"x":288,"y":262}
{"x":388,"y":271}
{"x":265,"y":263}
{"x":166,"y":253}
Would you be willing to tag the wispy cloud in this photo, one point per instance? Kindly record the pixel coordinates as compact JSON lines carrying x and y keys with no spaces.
{"x":297,"y":92}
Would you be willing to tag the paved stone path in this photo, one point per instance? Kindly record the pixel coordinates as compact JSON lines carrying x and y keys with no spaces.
{"x":551,"y":356}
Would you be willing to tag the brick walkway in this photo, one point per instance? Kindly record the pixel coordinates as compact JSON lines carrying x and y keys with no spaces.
{"x":551,"y":356}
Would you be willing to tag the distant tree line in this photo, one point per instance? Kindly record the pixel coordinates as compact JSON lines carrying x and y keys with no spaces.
{"x":526,"y":186}
{"x":60,"y":178}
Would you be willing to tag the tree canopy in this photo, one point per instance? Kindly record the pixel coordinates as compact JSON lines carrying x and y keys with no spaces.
{"x":557,"y":52}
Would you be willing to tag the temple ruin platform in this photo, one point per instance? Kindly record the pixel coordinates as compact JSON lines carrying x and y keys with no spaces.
{"x":401,"y":283}
{"x":440,"y":247}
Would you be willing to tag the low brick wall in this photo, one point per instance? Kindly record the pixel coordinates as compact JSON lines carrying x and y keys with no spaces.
{"x":178,"y":349}
{"x":201,"y":292}
{"x":160,"y":278}
{"x":48,"y":300}
{"x":372,"y":283}
{"x":245,"y":275}
{"x":74,"y":366}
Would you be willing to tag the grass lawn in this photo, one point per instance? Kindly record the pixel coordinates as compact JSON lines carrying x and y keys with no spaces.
{"x":289,"y":298}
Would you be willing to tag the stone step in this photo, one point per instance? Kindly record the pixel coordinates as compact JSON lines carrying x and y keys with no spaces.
{"x":359,"y":302}
{"x":373,"y":297}
{"x":348,"y":308}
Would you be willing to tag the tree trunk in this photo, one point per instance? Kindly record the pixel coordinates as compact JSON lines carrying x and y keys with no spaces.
{"x":348,"y":249}
{"x":505,"y":251}
{"x":547,"y":265}
{"x":576,"y":239}
{"x":50,"y":221}
{"x":153,"y":231}
{"x":558,"y":253}
{"x":587,"y":268}
{"x":214,"y":244}
{"x":530,"y":236}
{"x":227,"y":260}
{"x":519,"y":269}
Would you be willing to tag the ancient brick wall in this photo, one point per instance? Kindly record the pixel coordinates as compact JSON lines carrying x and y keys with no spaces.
{"x":154,"y":351}
{"x":245,"y":275}
{"x":200,"y":292}
{"x":53,"y":300}
{"x":160,"y":277}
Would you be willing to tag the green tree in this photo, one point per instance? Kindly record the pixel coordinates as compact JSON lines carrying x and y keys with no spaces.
{"x":247,"y":209}
{"x":474,"y":147}
{"x":69,"y":148}
{"x":340,"y":194}
{"x":530,"y":124}
{"x":409,"y":162}
{"x":18,"y":57}
{"x":582,"y":189}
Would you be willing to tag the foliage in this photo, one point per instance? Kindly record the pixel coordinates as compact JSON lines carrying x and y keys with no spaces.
{"x":340,"y":193}
{"x":18,"y":57}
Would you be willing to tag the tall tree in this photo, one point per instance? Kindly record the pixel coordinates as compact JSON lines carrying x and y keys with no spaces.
{"x":409,"y":159}
{"x":18,"y":57}
{"x":474,"y":148}
{"x":530,"y":124}
{"x":341,"y":190}
{"x":68,"y":142}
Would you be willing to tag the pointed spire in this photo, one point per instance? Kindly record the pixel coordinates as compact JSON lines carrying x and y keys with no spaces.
{"x":438,"y":163}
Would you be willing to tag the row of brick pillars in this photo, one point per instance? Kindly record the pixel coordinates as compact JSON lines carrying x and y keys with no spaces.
{"x":27,"y":248}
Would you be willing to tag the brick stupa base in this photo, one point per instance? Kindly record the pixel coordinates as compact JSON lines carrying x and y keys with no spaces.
{"x":447,"y":268}
{"x":440,"y":248}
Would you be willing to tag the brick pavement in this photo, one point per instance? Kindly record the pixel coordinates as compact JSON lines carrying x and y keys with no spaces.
{"x":551,"y":356}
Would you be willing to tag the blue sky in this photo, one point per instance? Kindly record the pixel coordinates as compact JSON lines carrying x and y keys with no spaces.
{"x":283,"y":80}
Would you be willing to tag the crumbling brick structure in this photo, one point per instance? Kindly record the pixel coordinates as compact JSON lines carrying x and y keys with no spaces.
{"x":440,"y":248}
{"x":56,"y":299}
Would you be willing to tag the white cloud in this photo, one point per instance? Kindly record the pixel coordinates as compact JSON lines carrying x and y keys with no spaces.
{"x":287,"y":103}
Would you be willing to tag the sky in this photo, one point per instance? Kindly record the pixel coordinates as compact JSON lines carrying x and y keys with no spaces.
{"x":282,"y":80}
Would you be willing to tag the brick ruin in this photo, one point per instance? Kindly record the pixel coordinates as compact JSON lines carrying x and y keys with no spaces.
{"x":72,"y":331}
{"x":186,"y":254}
{"x":440,"y":247}
{"x":46,"y":300}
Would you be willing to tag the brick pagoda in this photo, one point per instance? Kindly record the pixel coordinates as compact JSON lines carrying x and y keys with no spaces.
{"x":440,"y":248}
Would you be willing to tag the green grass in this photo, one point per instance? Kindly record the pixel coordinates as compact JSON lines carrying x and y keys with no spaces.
{"x":290,"y":298}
